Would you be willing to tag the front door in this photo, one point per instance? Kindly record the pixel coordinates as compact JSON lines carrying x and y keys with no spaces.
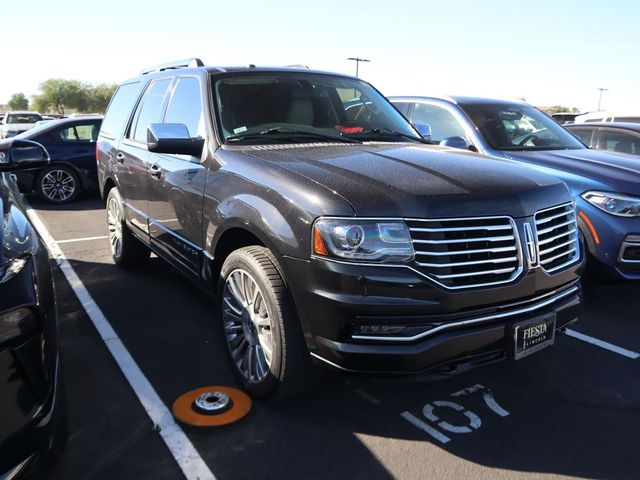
{"x":177,"y":183}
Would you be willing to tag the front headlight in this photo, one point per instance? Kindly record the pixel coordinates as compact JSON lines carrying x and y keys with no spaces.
{"x":379,"y":241}
{"x":614,"y":203}
{"x":11,"y":269}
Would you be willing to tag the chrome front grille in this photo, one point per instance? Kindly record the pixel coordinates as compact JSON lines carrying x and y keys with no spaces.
{"x":467,"y":252}
{"x":558,"y":243}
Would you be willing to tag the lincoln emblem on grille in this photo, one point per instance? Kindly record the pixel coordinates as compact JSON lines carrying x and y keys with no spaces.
{"x":531,"y":244}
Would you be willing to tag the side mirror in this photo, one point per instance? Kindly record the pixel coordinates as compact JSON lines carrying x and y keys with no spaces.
{"x":454,"y":142}
{"x":423,"y":129}
{"x":17,"y":154}
{"x":173,"y":138}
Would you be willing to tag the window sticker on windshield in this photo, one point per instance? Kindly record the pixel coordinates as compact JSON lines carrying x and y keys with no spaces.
{"x":239,"y":130}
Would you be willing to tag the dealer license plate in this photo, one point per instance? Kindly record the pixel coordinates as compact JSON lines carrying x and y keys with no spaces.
{"x":533,"y":335}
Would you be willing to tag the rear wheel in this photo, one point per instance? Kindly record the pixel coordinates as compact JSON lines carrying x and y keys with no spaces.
{"x":261,"y":329}
{"x":126,"y":250}
{"x":58,"y":184}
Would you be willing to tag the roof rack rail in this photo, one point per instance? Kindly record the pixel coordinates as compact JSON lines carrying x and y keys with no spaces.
{"x":186,"y":63}
{"x":298,"y":65}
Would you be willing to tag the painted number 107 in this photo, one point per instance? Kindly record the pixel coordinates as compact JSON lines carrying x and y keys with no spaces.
{"x":436,"y":427}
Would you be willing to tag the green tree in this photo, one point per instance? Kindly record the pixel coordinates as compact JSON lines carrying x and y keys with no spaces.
{"x":99,"y":96}
{"x":60,"y":94}
{"x":18,"y":102}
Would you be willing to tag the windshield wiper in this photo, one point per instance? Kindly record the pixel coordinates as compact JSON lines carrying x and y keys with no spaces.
{"x":389,"y":131}
{"x":271,"y":131}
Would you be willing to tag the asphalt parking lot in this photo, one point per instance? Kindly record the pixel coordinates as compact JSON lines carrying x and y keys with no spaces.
{"x":572,"y":410}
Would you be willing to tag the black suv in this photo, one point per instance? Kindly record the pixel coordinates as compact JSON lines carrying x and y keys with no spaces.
{"x":328,"y":229}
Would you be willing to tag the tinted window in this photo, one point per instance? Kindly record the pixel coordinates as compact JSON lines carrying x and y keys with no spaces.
{"x":85,"y":133}
{"x":23,"y":118}
{"x":299,"y":106}
{"x":627,"y":119}
{"x":619,"y":142}
{"x":584,"y":134}
{"x":120,"y":108}
{"x":149,"y":109}
{"x":442,"y":122}
{"x":186,"y":106}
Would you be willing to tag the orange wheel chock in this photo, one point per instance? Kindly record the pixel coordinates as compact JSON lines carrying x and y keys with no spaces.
{"x":212,"y":406}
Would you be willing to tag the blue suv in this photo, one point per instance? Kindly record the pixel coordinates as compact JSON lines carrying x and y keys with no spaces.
{"x":605,"y":185}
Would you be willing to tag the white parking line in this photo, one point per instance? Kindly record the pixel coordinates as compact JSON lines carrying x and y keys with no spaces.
{"x":602,"y":344}
{"x":84,"y":239}
{"x":183,"y":451}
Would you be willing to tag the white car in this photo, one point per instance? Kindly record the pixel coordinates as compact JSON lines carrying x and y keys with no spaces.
{"x":17,"y":122}
{"x":610,"y":116}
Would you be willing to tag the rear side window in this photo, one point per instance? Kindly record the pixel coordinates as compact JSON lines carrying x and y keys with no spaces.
{"x":186,"y":106}
{"x":619,"y":142}
{"x":442,"y":122}
{"x":627,"y":119}
{"x":150,"y":108}
{"x":120,"y":108}
{"x":584,"y":134}
{"x":86,"y":133}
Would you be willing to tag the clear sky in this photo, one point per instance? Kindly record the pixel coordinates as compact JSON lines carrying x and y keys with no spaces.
{"x":549,"y":52}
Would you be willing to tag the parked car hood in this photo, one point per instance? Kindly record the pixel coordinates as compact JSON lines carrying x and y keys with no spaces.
{"x":585,"y":169}
{"x":419,"y":180}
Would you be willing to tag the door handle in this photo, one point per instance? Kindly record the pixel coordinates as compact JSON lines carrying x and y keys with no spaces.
{"x":120,"y":157}
{"x":155,"y":171}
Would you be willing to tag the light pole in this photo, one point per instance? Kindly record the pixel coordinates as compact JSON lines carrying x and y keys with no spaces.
{"x":600,"y":97}
{"x":358,"y":60}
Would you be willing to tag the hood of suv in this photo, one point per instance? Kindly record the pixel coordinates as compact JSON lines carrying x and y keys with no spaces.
{"x":418,"y":180}
{"x":585,"y":168}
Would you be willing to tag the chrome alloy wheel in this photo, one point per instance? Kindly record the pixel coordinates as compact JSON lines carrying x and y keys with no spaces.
{"x":114,"y":224}
{"x":247,"y":325}
{"x":58,"y":185}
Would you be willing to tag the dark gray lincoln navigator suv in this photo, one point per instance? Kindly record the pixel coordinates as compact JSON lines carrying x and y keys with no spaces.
{"x":328,"y":228}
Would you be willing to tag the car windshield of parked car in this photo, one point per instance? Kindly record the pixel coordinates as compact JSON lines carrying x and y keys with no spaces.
{"x":519,"y":127}
{"x":23,"y":118}
{"x":296,"y":107}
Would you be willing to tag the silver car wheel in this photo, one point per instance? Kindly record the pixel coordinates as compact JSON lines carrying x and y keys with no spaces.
{"x":114,"y":224}
{"x":58,"y":185}
{"x":247,"y":325}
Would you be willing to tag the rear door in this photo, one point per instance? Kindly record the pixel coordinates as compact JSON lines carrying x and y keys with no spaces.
{"x":177,"y":182}
{"x":75,"y":144}
{"x":132,"y":158}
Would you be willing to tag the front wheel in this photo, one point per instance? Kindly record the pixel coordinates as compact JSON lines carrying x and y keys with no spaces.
{"x":261,"y":328}
{"x":126,"y":250}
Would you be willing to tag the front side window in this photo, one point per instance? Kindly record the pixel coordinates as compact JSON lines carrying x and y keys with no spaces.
{"x":442,"y":122}
{"x":508,"y":126}
{"x":149,"y":110}
{"x":186,"y":106}
{"x":294,"y":107}
{"x":619,"y":142}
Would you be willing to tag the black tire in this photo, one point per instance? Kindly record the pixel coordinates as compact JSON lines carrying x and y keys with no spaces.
{"x":58,"y":184}
{"x":131,"y":252}
{"x":291,"y":370}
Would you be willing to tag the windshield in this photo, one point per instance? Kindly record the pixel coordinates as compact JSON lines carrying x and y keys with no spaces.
{"x":519,"y":127}
{"x":292,"y":107}
{"x":23,"y":118}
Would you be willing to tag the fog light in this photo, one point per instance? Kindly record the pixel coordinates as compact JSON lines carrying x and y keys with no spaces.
{"x":15,"y":323}
{"x":377,"y":329}
{"x":633,"y":238}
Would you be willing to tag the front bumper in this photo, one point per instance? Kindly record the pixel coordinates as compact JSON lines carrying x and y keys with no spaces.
{"x":393,"y":320}
{"x":606,"y":239}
